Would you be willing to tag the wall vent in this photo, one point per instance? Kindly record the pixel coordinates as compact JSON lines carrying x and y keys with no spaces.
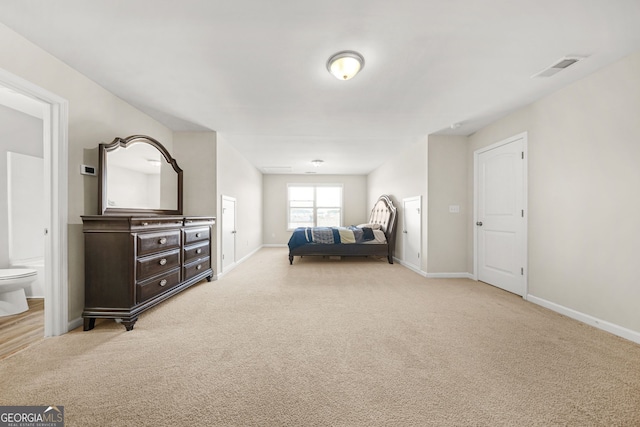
{"x":558,"y":66}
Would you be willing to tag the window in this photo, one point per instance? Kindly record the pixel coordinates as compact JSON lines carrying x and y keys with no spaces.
{"x":314,"y":205}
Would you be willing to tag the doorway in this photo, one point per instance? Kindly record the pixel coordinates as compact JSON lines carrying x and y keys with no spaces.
{"x":412,"y":231}
{"x":500,"y":214}
{"x":55,"y":154}
{"x":228,"y":235}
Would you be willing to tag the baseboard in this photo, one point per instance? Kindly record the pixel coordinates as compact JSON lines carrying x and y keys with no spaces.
{"x":249,"y":255}
{"x":240,"y":261}
{"x":449,"y":276}
{"x":585,"y":318}
{"x":433,"y":275}
{"x":75,"y":323}
{"x":410,"y":267}
{"x":275,"y":245}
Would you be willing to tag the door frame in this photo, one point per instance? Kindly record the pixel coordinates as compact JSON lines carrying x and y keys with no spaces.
{"x":525,"y":201}
{"x":404,"y":229}
{"x":235,"y":219}
{"x":55,"y":140}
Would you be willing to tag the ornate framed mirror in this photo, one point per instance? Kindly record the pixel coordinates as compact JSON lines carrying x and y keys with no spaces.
{"x":138,"y":176}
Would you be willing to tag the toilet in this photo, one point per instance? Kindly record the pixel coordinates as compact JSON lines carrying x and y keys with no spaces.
{"x":13,"y":282}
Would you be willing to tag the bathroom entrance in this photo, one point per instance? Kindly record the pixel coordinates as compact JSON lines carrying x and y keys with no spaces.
{"x":29,"y":110}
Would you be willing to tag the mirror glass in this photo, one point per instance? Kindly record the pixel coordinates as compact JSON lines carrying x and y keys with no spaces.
{"x":138,"y":177}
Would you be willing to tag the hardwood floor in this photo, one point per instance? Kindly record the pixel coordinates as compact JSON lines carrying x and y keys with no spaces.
{"x":21,"y":330}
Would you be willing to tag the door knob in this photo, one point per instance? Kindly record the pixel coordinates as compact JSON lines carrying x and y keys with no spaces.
{"x":479,"y":223}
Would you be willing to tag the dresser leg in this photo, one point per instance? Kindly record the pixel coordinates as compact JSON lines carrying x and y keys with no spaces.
{"x":128,"y":324}
{"x":89,"y":323}
{"x":209,"y":278}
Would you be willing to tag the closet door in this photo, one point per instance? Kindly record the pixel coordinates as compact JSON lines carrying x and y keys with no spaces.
{"x":412,"y":231}
{"x":500,"y":216}
{"x":228,"y":232}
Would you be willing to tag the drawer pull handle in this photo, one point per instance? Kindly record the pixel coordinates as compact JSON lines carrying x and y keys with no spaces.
{"x":163,"y":261}
{"x":199,"y":267}
{"x":198,"y":234}
{"x":162,"y":241}
{"x":198,"y":251}
{"x":163,"y":282}
{"x":144,"y":224}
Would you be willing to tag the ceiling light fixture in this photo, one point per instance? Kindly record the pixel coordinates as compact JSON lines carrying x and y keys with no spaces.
{"x":317,"y":163}
{"x":346,"y":64}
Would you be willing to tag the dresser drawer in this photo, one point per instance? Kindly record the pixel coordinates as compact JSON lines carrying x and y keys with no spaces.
{"x":192,"y":253}
{"x":192,"y":235}
{"x":156,"y":264}
{"x":152,"y":287}
{"x":149,"y":243}
{"x":195,"y":268}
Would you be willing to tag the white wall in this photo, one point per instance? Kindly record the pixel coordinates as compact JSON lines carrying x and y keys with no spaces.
{"x":447,"y":183}
{"x":212,"y":168}
{"x":195,"y":153}
{"x":403,"y":175}
{"x":354,"y":196}
{"x":19,"y":133}
{"x":241,"y":180}
{"x":95,"y":116}
{"x":584,"y":200}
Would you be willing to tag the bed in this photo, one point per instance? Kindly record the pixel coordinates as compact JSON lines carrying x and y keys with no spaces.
{"x":374,"y":238}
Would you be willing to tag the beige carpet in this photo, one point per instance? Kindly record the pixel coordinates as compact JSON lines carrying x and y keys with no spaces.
{"x":355,"y":342}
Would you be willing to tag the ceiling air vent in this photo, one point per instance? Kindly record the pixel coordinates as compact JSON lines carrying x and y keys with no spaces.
{"x":560,"y":65}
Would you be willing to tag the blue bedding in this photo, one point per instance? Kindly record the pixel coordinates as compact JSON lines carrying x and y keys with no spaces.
{"x":329,"y":236}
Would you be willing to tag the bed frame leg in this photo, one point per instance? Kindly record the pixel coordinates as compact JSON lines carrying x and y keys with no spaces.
{"x":390,"y":258}
{"x":290,"y":259}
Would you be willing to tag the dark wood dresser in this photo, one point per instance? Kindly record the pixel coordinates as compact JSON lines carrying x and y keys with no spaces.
{"x":134,"y":262}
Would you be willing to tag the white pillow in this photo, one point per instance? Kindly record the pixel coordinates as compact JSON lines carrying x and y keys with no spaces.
{"x":371,"y":226}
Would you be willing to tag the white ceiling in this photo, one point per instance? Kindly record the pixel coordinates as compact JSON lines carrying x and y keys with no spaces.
{"x":254,"y":70}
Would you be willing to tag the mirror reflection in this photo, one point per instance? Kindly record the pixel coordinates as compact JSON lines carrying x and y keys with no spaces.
{"x":139,"y":177}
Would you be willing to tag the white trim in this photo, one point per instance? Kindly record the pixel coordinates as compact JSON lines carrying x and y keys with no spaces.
{"x":450,"y":276}
{"x":55,"y":130}
{"x":410,"y":266}
{"x":589,"y":320}
{"x":525,"y":206}
{"x":249,"y":255}
{"x":75,"y":323}
{"x":434,"y":275}
{"x":275,"y":245}
{"x":243,"y":259}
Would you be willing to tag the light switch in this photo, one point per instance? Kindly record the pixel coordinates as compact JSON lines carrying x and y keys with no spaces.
{"x":454,"y":208}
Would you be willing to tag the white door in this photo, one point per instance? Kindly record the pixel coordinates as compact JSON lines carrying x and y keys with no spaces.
{"x":228,"y":236}
{"x":500,"y":214}
{"x":412,"y":227}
